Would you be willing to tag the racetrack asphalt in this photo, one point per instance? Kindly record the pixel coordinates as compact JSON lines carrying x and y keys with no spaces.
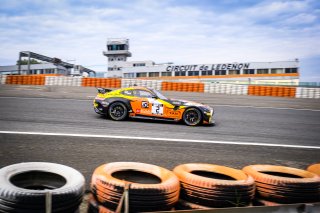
{"x":268,"y":120}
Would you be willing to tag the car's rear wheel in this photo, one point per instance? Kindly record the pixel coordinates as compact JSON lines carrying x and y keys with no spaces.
{"x":117,"y":111}
{"x":192,"y":117}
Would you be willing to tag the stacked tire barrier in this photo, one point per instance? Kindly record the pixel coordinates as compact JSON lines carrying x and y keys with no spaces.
{"x":284,"y":185}
{"x":314,"y":168}
{"x":182,"y":87}
{"x":159,"y":192}
{"x":101,"y":82}
{"x":155,"y":84}
{"x":25,"y":79}
{"x":213,"y":186}
{"x":303,"y":92}
{"x":226,"y":89}
{"x":272,"y":91}
{"x":63,"y":81}
{"x":38,"y":186}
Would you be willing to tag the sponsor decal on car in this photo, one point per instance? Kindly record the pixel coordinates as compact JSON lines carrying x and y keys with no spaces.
{"x":145,"y":104}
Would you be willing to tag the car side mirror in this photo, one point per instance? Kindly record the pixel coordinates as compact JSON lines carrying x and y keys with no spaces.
{"x":101,"y":90}
{"x":154,"y":96}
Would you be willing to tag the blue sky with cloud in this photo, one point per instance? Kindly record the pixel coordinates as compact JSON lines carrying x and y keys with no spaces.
{"x":186,"y":31}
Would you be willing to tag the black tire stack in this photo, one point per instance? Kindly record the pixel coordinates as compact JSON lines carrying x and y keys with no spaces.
{"x":213,"y":186}
{"x":107,"y":189}
{"x":284,"y":185}
{"x":25,"y":186}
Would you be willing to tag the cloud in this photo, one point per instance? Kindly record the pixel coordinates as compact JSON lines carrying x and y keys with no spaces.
{"x":300,"y":19}
{"x":161,"y":30}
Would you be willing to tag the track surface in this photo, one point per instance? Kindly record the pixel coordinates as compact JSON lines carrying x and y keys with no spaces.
{"x":234,"y":124}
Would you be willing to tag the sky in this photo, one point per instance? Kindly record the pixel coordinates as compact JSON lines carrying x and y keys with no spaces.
{"x":183,"y":32}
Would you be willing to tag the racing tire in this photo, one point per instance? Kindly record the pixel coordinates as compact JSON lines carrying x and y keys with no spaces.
{"x":117,"y":111}
{"x":314,"y":168}
{"x":161,"y":194}
{"x":185,"y":173}
{"x":285,"y":185}
{"x":192,"y":117}
{"x":214,"y":186}
{"x":24,"y":186}
{"x":276,"y":175}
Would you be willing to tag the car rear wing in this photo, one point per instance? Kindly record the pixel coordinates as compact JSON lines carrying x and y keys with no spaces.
{"x":103,"y":90}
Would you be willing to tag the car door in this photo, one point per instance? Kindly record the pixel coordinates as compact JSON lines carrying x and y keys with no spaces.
{"x":140,"y":103}
{"x":147,"y":104}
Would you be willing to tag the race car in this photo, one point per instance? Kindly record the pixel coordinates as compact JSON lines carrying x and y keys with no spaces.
{"x":148,"y":103}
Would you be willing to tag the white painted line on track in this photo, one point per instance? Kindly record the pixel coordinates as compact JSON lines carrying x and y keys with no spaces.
{"x":215,"y":105}
{"x":161,"y":139}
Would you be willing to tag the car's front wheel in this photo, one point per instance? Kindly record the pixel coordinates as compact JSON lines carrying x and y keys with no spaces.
{"x":117,"y":111}
{"x":192,"y":117}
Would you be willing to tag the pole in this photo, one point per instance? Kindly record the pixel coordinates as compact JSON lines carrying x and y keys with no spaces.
{"x":19,"y":64}
{"x":48,"y":202}
{"x":29,"y":63}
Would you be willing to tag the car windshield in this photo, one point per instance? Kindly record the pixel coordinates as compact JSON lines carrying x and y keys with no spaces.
{"x":159,"y":95}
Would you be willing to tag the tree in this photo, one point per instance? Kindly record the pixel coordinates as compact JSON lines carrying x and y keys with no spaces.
{"x":25,"y":62}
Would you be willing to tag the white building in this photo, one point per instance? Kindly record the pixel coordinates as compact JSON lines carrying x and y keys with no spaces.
{"x":118,"y":66}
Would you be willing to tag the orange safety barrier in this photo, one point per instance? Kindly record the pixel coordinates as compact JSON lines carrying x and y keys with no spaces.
{"x":272,"y":91}
{"x":182,"y":86}
{"x":25,"y":79}
{"x":101,"y":82}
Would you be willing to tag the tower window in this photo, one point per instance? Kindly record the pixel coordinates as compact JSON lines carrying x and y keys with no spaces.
{"x":181,"y":73}
{"x":234,"y":72}
{"x":154,"y":74}
{"x":291,"y":70}
{"x":193,"y":73}
{"x":116,"y":47}
{"x":166,"y":73}
{"x":248,"y":71}
{"x":220,"y":72}
{"x":276,"y":70}
{"x":141,"y":74}
{"x":262,"y":71}
{"x":207,"y":72}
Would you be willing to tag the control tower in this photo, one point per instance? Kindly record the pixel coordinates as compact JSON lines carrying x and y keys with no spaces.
{"x":117,"y":53}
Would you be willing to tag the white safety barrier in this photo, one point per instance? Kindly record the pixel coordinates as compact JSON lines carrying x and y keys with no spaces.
{"x":3,"y":79}
{"x":155,"y":84}
{"x":63,"y":81}
{"x":305,"y":92}
{"x":226,"y":88}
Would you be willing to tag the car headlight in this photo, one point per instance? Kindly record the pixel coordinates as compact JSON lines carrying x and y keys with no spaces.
{"x":207,"y":109}
{"x":104,"y":103}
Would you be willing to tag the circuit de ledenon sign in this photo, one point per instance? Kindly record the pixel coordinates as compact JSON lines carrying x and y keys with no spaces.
{"x":207,"y":67}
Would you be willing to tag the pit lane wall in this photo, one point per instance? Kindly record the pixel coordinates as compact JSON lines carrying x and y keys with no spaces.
{"x":207,"y":87}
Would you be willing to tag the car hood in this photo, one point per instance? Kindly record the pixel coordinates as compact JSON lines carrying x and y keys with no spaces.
{"x":177,"y":102}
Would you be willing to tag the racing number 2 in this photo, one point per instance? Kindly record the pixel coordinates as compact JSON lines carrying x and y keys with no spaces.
{"x":157,"y":108}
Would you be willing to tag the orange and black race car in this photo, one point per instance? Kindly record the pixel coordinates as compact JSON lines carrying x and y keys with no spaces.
{"x":147,"y":103}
